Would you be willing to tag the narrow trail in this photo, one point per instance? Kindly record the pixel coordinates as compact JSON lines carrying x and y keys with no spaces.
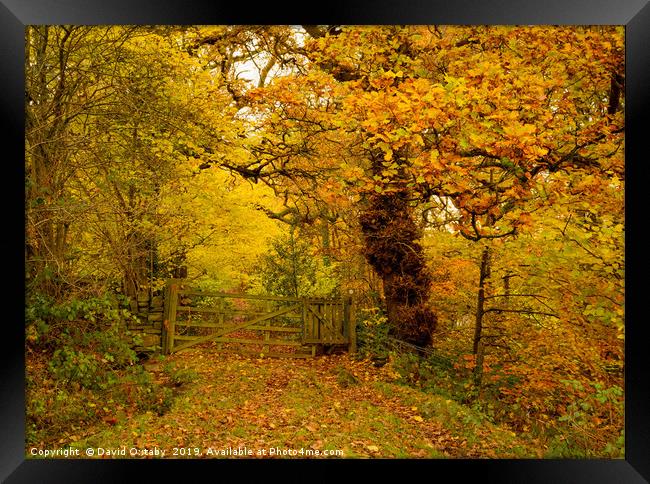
{"x":303,"y":408}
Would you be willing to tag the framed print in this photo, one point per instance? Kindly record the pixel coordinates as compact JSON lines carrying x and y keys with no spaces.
{"x":383,"y":234}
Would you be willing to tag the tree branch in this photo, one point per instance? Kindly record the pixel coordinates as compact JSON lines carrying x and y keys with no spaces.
{"x":521,"y":311}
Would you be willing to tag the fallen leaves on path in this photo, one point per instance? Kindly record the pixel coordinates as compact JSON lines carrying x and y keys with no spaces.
{"x":323,"y":404}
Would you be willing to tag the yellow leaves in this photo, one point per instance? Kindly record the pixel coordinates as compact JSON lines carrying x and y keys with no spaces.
{"x":392,"y":75}
{"x":518,"y":130}
{"x":31,"y":334}
{"x":434,"y":160}
{"x":536,"y":151}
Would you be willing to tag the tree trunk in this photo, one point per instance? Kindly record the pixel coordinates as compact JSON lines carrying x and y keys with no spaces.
{"x":45,"y":124}
{"x":325,"y":233}
{"x":136,"y":278}
{"x":478,"y":346}
{"x":392,"y":249}
{"x":480,"y":301}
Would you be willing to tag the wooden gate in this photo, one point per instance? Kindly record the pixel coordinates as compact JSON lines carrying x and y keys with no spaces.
{"x":257,"y":325}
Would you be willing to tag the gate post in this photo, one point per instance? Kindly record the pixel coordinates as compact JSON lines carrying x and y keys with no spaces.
{"x":169,"y":315}
{"x":351,"y":325}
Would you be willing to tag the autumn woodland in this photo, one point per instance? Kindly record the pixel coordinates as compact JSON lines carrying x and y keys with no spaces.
{"x":435,"y":214}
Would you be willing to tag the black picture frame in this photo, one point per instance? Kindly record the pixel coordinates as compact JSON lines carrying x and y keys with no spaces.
{"x":16,"y":14}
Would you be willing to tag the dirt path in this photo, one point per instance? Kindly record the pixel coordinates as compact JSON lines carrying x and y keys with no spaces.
{"x":297,"y":408}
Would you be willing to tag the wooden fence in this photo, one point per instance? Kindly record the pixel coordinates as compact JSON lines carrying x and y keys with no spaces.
{"x":258,"y":325}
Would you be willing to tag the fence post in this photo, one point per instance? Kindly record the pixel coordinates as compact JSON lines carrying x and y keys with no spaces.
{"x":305,"y":333}
{"x":170,"y":315}
{"x":165,"y":321}
{"x":352,"y":326}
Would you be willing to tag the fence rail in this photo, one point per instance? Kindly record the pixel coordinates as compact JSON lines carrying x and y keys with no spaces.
{"x":255,"y":324}
{"x":431,"y":354}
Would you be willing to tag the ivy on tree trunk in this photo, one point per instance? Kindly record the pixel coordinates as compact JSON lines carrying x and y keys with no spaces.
{"x":392,"y":249}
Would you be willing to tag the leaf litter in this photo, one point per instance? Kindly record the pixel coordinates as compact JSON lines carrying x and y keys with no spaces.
{"x":262,"y":403}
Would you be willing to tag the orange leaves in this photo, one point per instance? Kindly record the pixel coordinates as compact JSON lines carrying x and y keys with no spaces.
{"x":479,"y":114}
{"x":525,"y":219}
{"x":312,"y":427}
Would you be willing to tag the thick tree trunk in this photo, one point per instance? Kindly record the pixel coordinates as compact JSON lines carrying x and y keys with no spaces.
{"x":392,"y":249}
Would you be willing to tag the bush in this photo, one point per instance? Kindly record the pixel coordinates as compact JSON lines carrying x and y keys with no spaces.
{"x":583,"y":429}
{"x":77,"y":366}
{"x":434,"y":373}
{"x":47,"y":321}
{"x":81,"y":367}
{"x":409,"y":368}
{"x":92,"y":359}
{"x":372,"y":333}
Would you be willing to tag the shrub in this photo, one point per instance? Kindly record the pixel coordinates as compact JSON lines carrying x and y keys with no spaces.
{"x":81,"y":366}
{"x":408,"y":367}
{"x":47,"y":321}
{"x":372,"y":333}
